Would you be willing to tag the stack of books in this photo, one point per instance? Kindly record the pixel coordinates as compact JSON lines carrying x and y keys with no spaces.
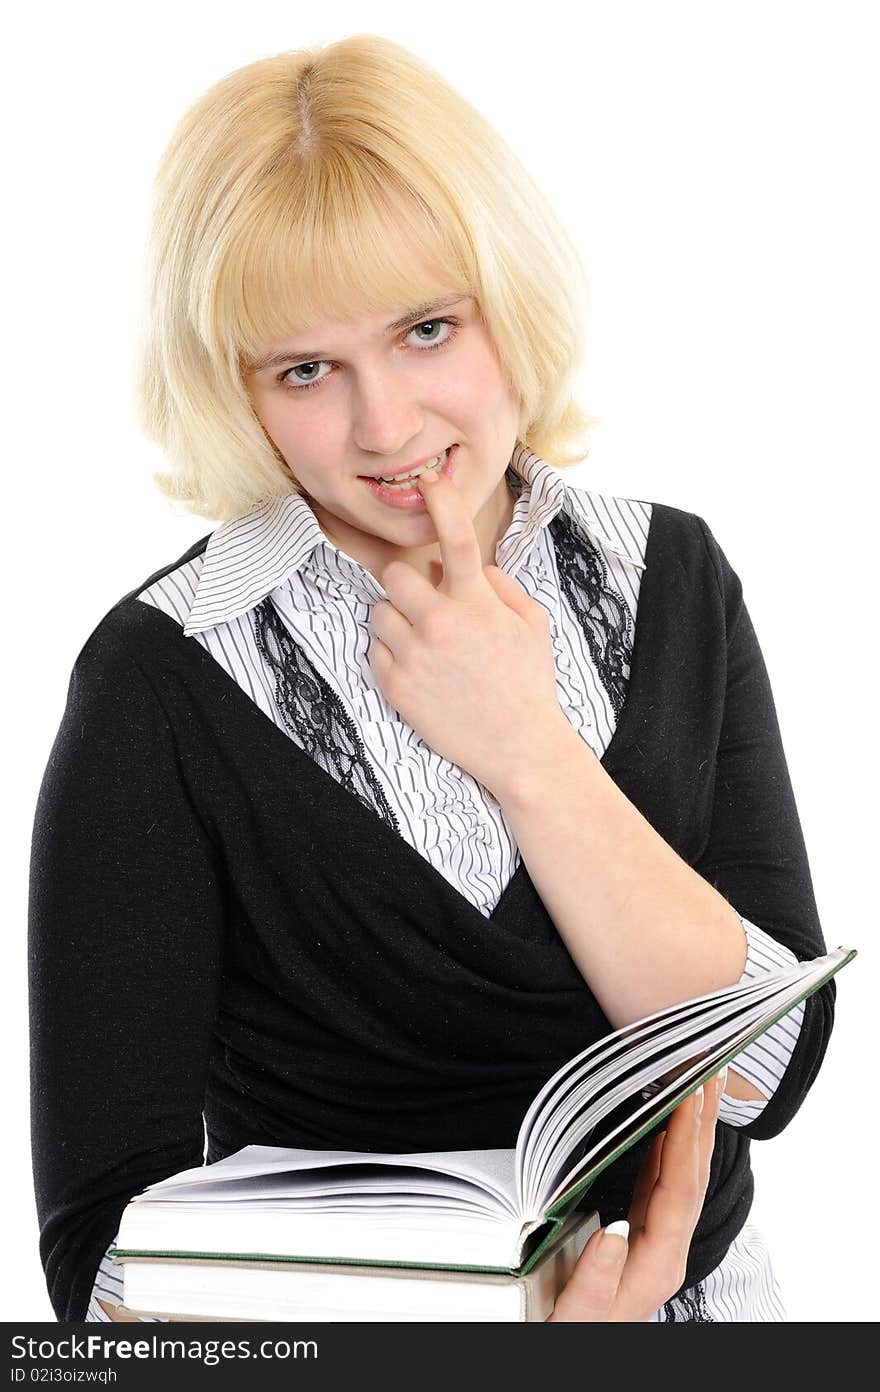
{"x":272,"y":1233}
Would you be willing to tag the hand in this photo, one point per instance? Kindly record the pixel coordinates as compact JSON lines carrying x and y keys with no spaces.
{"x":469,"y":665}
{"x":616,"y":1281}
{"x":112,"y":1312}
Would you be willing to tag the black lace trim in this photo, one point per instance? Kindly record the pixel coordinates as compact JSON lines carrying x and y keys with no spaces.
{"x":599,"y":609}
{"x":692,"y":1307}
{"x":314,"y":714}
{"x":316,"y":717}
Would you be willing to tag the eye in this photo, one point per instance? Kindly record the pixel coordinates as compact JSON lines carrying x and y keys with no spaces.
{"x":295,"y":385}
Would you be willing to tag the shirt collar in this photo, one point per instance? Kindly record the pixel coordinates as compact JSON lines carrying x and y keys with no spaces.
{"x":250,"y":556}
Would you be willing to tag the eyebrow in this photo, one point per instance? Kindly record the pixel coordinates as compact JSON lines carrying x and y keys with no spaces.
{"x":412,"y":316}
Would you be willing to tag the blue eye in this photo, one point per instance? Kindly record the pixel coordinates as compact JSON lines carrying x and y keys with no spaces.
{"x":427,"y":347}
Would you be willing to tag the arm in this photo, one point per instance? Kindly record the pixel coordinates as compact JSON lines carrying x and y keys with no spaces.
{"x":669,"y":931}
{"x":126,"y":917}
{"x":756,"y":857}
{"x":643,"y":928}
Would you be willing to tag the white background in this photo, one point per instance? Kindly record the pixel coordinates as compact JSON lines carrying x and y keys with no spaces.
{"x":716,"y":164}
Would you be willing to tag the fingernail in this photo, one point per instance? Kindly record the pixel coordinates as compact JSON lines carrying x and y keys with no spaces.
{"x":722,"y":1079}
{"x":700,"y":1097}
{"x":618,"y":1229}
{"x":429,"y":476}
{"x":612,"y":1252}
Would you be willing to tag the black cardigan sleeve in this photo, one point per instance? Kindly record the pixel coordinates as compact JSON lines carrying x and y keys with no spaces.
{"x":755,"y":855}
{"x":125,"y":927}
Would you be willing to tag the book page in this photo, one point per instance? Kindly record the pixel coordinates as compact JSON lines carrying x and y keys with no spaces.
{"x":632,"y":1060}
{"x":278,"y":1172}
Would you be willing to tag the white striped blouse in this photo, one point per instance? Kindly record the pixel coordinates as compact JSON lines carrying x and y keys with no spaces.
{"x":325,"y":598}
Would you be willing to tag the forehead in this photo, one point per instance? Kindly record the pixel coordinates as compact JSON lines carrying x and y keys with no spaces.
{"x":315,"y":343}
{"x":362,"y":275}
{"x":390,"y":318}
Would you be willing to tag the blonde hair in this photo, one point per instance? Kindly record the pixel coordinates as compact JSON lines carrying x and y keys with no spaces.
{"x":320,"y":184}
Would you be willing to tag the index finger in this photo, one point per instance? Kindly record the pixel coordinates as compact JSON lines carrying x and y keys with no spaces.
{"x":459,"y":545}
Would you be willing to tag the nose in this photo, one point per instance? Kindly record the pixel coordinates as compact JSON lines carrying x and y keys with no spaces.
{"x":386,"y":417}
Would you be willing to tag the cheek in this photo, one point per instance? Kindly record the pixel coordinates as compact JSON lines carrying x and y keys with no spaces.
{"x":480,"y":384}
{"x":294,"y":433}
{"x":271,"y":417}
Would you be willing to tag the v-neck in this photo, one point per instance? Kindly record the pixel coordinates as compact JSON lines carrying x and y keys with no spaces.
{"x":350,"y":805}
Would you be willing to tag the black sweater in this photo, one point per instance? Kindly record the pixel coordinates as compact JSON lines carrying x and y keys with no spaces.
{"x":251,"y":943}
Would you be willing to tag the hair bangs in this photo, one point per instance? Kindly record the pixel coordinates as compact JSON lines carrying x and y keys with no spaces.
{"x":335,"y":245}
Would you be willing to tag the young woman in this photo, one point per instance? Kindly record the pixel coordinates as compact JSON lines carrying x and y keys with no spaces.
{"x":388,"y":797}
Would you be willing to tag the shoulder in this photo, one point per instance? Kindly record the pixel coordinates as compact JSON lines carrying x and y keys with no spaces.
{"x":685,"y":540}
{"x":654,"y":533}
{"x":617,"y":525}
{"x":685,"y":570}
{"x":146,"y":623}
{"x":679,"y":539}
{"x":171,"y":588}
{"x":689,"y":570}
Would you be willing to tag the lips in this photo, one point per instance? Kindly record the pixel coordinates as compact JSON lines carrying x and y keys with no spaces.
{"x":441,"y":455}
{"x":408,"y":495}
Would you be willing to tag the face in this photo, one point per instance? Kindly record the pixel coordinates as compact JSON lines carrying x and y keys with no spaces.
{"x":370,"y":396}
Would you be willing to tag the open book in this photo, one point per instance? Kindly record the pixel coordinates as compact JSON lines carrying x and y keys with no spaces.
{"x":495,"y":1211}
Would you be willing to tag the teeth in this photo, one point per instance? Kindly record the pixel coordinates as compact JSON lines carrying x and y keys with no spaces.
{"x":438,"y":459}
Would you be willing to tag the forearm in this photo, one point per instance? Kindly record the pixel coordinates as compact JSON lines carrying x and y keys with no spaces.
{"x":643,"y":928}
